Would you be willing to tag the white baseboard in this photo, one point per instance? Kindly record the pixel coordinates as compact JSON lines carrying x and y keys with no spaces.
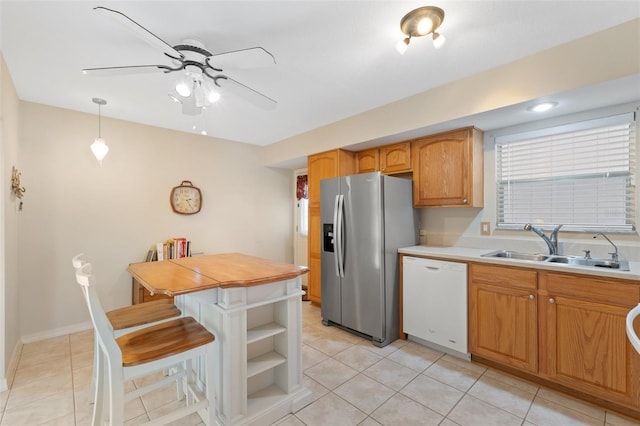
{"x":12,"y":367}
{"x":29,"y":338}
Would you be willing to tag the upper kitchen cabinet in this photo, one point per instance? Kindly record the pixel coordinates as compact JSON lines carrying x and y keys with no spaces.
{"x":395,"y":158}
{"x":368,"y":161}
{"x":320,"y":166}
{"x":389,"y":159}
{"x":448,"y":169}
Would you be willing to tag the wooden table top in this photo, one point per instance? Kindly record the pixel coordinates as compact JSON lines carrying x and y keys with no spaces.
{"x":189,"y":274}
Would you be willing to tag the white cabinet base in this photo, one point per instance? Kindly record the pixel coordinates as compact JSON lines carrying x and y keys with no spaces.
{"x":258,"y":346}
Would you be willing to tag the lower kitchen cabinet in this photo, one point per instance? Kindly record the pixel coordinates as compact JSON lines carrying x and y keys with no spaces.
{"x":566,"y":329}
{"x":583,"y":339}
{"x":503,"y":320}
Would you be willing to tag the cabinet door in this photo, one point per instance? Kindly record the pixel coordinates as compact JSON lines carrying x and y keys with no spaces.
{"x":447,"y":170}
{"x":395,"y":158}
{"x":321,"y":166}
{"x":367,"y":161}
{"x":584,"y":342}
{"x":503,"y":325}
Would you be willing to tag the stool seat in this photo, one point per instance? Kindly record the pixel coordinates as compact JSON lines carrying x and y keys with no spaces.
{"x":142,"y":313}
{"x":162,"y":340}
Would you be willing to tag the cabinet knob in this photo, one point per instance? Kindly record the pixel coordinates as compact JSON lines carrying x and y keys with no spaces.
{"x":531,"y":297}
{"x":552,"y":300}
{"x":464,"y":201}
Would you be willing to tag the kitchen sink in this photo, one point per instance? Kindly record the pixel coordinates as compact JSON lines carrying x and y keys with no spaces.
{"x":621,"y":265}
{"x":508,"y":254}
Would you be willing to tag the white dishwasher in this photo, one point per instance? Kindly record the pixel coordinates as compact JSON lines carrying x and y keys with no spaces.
{"x":435,"y":302}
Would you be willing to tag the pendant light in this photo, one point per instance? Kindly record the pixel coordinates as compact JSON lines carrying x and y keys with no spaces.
{"x":99,"y":146}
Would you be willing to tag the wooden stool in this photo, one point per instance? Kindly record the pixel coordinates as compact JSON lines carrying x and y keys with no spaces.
{"x":128,"y":319}
{"x":145,"y":351}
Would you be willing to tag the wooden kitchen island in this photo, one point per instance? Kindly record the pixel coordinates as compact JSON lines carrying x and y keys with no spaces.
{"x":253,"y":307}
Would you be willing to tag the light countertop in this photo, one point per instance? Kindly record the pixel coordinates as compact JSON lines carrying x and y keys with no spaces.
{"x":474,"y":255}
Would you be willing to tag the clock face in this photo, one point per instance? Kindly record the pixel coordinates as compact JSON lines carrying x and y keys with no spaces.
{"x":186,"y":199}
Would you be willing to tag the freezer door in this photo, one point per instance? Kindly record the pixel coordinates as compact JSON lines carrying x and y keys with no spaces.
{"x":331,"y":308}
{"x":362,"y":298}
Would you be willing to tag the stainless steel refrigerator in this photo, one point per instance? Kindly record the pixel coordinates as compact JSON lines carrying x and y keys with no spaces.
{"x":365,"y":219}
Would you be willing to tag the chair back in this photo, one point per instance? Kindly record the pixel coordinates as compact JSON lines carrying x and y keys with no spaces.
{"x":631,"y":332}
{"x":101,"y":324}
{"x":78,"y":261}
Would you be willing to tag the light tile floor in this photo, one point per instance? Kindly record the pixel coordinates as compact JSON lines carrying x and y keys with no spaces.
{"x":353,"y":382}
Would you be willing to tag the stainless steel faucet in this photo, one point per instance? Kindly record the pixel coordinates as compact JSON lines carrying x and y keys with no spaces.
{"x":552,"y":242}
{"x":614,"y":255}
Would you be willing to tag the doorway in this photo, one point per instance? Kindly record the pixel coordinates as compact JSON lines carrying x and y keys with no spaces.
{"x":301,"y":223}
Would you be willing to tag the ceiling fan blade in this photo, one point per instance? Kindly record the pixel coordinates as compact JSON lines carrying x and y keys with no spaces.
{"x":132,"y":69}
{"x":245,"y":92}
{"x":141,"y":31}
{"x":252,"y":57}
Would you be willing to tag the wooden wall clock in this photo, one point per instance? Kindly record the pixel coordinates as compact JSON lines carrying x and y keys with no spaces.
{"x":186,"y":198}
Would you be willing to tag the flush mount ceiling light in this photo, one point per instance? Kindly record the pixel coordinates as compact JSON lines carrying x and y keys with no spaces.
{"x":421,"y":22}
{"x":542,"y":106}
{"x":99,"y":146}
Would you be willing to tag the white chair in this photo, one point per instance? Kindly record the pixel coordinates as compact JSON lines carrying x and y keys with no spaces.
{"x":128,"y":319}
{"x":143,"y":352}
{"x":631,"y":332}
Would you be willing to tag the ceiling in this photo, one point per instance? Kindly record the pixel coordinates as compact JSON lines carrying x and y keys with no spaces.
{"x":334,"y":59}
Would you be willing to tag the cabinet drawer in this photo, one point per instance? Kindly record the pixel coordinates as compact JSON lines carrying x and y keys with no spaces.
{"x":503,"y":276}
{"x":590,"y":288}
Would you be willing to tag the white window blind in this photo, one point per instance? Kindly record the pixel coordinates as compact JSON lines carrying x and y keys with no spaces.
{"x":580,"y":175}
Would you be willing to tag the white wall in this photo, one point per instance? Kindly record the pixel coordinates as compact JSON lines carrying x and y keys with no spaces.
{"x":115,"y":212}
{"x":9,"y":218}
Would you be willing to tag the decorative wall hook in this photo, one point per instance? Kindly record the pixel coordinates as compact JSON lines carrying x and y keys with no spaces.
{"x":16,"y":189}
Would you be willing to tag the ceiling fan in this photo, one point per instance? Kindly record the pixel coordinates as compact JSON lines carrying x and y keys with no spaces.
{"x":203,"y":77}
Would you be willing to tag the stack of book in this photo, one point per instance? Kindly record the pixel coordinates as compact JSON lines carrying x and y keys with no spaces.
{"x":173,"y":248}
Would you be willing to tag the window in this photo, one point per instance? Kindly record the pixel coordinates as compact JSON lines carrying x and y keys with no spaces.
{"x":581,"y":175}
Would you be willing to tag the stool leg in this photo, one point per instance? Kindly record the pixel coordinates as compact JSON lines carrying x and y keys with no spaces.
{"x":94,"y":374}
{"x":101,"y":395}
{"x":116,"y":391}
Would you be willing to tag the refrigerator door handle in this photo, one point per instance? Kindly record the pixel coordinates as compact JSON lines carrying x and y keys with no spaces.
{"x":336,"y":246}
{"x":339,"y":231}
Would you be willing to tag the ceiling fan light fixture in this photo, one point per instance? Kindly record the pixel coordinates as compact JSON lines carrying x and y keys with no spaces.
{"x":214,"y":96}
{"x":421,"y":22}
{"x":183,"y":89}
